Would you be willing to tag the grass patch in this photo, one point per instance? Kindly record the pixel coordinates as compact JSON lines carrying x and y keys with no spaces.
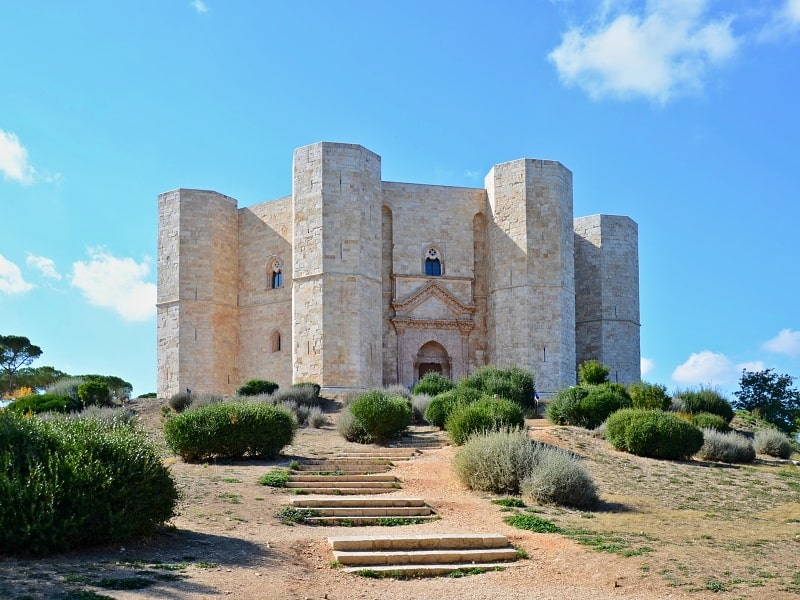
{"x":509,"y":502}
{"x":395,"y":521}
{"x":533,"y":523}
{"x":231,"y":498}
{"x":276,"y":477}
{"x":289,"y":515}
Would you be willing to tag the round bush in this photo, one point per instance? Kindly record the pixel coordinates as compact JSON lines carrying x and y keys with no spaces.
{"x":496,"y":461}
{"x":709,"y":421}
{"x":180,"y":401}
{"x":94,"y":393}
{"x":511,"y":383}
{"x":433,"y":383}
{"x":440,"y":407}
{"x":773,"y":443}
{"x":68,"y":483}
{"x":649,"y":396}
{"x":230,"y":430}
{"x":706,"y":400}
{"x":731,"y":447}
{"x":487,"y":414}
{"x":559,"y":478}
{"x":255,"y":387}
{"x":593,"y":372}
{"x":587,"y":405}
{"x":379,"y":417}
{"x":653,"y":433}
{"x":40,"y":403}
{"x":564,"y":408}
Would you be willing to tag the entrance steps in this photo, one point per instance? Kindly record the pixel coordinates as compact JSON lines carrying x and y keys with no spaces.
{"x":348,"y":483}
{"x":421,"y":555}
{"x":344,"y":465}
{"x":360,"y":510}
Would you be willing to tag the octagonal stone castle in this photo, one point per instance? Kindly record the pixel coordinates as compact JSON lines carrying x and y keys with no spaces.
{"x":353,"y":282}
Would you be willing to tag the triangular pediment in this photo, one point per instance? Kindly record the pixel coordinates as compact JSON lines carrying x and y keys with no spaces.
{"x":433,"y":302}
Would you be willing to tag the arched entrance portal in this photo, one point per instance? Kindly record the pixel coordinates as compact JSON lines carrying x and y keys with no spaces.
{"x":432,"y":357}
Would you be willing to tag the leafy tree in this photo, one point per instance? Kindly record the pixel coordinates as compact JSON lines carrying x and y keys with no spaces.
{"x":593,"y":372}
{"x":117,"y":387}
{"x":36,"y":378}
{"x":94,"y":393}
{"x":16,"y":351}
{"x":771,"y":396}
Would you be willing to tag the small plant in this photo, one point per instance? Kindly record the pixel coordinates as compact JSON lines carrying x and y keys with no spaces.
{"x":276,"y":477}
{"x":559,"y":478}
{"x":376,"y":417}
{"x":94,"y":393}
{"x":254,"y":387}
{"x":433,"y":384}
{"x":316,"y":418}
{"x":440,"y":407}
{"x":532,"y":523}
{"x":587,"y":405}
{"x":773,"y":443}
{"x":706,"y":400}
{"x":593,"y":372}
{"x":653,"y":433}
{"x":509,"y":502}
{"x":289,"y":515}
{"x":649,"y":396}
{"x":180,"y":401}
{"x":496,"y":461}
{"x":731,"y":447}
{"x":512,"y":383}
{"x":709,"y":421}
{"x":42,"y":403}
{"x":487,"y":414}
{"x":302,"y":394}
{"x":419,"y":404}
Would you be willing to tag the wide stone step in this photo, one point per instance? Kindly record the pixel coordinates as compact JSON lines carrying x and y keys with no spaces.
{"x":386,"y":511}
{"x":343,"y":470}
{"x":347,"y":477}
{"x":355,"y":521}
{"x":445,"y":541}
{"x":345,"y":490}
{"x":343,"y":482}
{"x":430,"y":570}
{"x":423,"y":557}
{"x":354,"y":502}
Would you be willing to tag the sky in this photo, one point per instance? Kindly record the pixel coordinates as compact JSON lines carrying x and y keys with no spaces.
{"x":682,"y":114}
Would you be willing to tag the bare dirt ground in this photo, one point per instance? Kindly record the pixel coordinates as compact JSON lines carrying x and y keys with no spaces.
{"x":665,"y":530}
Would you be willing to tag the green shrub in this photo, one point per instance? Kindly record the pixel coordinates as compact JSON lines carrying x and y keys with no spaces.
{"x":199,"y":400}
{"x":230,"y":430}
{"x":587,"y":405}
{"x":180,"y":401}
{"x":649,"y":396}
{"x":315,"y":387}
{"x":496,"y":461}
{"x":706,"y":400}
{"x":440,"y":407}
{"x":731,"y":447}
{"x":94,"y":393}
{"x":773,"y":443}
{"x":487,"y":414}
{"x":275,"y":477}
{"x":316,"y":418}
{"x":348,"y":427}
{"x":66,"y":386}
{"x":254,"y":387}
{"x":378,"y":416}
{"x":304,"y":394}
{"x":559,"y":478}
{"x":653,"y":433}
{"x":512,"y":383}
{"x":433,"y":384}
{"x":148,"y":395}
{"x":77,"y":482}
{"x":41,"y":403}
{"x":419,"y":404}
{"x":592,"y":372}
{"x":709,"y":421}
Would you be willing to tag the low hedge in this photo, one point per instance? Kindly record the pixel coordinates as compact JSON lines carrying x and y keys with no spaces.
{"x":374,"y":417}
{"x":433,"y":384}
{"x":440,"y":406}
{"x":705,"y":400}
{"x":511,"y":383}
{"x":653,"y":433}
{"x":256,"y":387}
{"x":487,"y":414}
{"x":230,"y":430}
{"x":39,"y":403}
{"x":74,"y":482}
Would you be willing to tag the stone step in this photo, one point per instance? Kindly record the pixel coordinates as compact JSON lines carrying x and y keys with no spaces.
{"x":391,"y":484}
{"x":423,"y":557}
{"x":390,"y":511}
{"x":429,"y":570}
{"x":344,"y":490}
{"x":353,"y":502}
{"x":346,"y":468}
{"x":357,"y":521}
{"x":347,"y":477}
{"x":446,"y":541}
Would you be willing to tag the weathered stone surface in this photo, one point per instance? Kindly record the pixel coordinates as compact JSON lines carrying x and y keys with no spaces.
{"x":517,"y":280}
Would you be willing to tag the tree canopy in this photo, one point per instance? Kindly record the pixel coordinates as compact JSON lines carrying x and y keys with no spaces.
{"x":772,"y":396}
{"x":16,"y":351}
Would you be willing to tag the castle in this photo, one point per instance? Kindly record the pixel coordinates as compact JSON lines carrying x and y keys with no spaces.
{"x":353,"y":282}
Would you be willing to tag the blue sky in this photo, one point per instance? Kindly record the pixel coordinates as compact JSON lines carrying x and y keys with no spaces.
{"x":682,"y":114}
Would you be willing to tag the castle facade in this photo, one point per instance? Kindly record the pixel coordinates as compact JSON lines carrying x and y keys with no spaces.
{"x":354,"y":282}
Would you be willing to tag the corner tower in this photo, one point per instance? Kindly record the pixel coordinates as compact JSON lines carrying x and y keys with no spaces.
{"x":337,"y":326}
{"x":607,"y":294}
{"x":531,"y":296}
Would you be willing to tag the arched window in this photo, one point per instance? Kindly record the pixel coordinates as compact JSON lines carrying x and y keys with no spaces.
{"x":433,"y":262}
{"x":275,"y":275}
{"x":276,"y":341}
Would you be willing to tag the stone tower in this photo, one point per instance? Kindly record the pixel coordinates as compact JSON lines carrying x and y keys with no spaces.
{"x":531,"y":297}
{"x":336,"y":289}
{"x":607,"y":294}
{"x":198,"y":282}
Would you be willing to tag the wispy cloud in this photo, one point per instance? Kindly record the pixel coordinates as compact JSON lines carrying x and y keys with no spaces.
{"x":646,"y":365}
{"x":14,"y":159}
{"x":200,"y":6}
{"x":46,"y":266}
{"x":711,"y":368}
{"x":786,"y":342}
{"x":657,"y":52}
{"x":11,"y":280}
{"x":116,"y":283}
{"x":784,"y":22}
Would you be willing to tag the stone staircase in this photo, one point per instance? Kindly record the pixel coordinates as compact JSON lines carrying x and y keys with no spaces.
{"x":422,"y":555}
{"x":375,"y":483}
{"x":362,"y":510}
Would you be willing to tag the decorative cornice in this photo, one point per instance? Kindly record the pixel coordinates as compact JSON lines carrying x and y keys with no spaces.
{"x":401,"y":323}
{"x":433,"y":290}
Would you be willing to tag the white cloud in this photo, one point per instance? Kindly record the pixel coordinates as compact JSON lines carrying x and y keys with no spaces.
{"x":14,"y":159}
{"x":663,"y":52}
{"x":786,"y":342}
{"x":646,"y":365}
{"x":200,"y":6}
{"x":711,"y":368}
{"x":116,"y":283}
{"x":785,"y":22}
{"x":11,"y":281}
{"x":45,"y":265}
